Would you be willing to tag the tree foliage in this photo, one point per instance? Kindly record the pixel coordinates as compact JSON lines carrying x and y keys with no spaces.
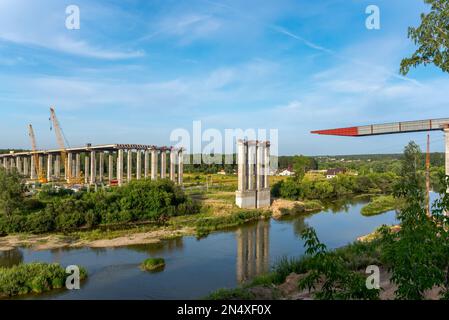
{"x":11,"y":192}
{"x":431,"y":37}
{"x":328,"y":274}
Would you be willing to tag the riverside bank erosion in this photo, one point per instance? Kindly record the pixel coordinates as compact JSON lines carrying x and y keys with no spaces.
{"x":134,"y":236}
{"x":153,"y":234}
{"x":55,"y":241}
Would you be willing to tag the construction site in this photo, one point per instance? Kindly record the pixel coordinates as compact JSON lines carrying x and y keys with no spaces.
{"x":92,"y":165}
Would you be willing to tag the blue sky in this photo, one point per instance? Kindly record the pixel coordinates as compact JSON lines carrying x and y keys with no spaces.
{"x":136,"y":70}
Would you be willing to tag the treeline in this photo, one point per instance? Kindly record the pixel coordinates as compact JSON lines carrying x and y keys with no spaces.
{"x":318,"y":187}
{"x":377,"y":163}
{"x":140,"y":200}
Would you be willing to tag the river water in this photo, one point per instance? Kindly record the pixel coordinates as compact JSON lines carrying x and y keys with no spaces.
{"x":195,"y":267}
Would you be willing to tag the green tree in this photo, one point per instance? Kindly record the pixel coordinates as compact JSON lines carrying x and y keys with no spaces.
{"x":328,"y":269}
{"x":300,"y":166}
{"x":417,"y":255}
{"x":431,"y":37}
{"x":11,"y":191}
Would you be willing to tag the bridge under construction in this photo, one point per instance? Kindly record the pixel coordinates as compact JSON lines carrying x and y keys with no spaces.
{"x":441,"y":124}
{"x":95,"y":162}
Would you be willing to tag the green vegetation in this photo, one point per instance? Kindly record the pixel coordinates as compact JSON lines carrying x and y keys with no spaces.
{"x":318,"y":187}
{"x":11,"y":192}
{"x":208,"y":224}
{"x":380,"y":205}
{"x":153,"y":264}
{"x":431,"y":38}
{"x":33,"y":277}
{"x":231,"y":294}
{"x":416,"y":253}
{"x":140,"y":200}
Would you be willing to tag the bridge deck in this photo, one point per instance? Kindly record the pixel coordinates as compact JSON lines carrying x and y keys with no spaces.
{"x":387,"y":128}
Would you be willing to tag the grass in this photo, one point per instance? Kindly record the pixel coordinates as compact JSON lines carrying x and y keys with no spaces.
{"x":33,"y":278}
{"x":380,"y":205}
{"x":231,"y":294}
{"x":355,"y":256}
{"x":206,"y":225}
{"x":153,"y":264}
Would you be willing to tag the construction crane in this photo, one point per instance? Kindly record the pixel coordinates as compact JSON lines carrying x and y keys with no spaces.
{"x":37,"y":166}
{"x":61,"y":142}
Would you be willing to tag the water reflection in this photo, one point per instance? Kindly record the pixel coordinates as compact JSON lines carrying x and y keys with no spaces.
{"x":10,"y":258}
{"x":253,"y":251}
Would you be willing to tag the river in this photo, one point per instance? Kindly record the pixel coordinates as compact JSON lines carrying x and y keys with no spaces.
{"x":195,"y":267}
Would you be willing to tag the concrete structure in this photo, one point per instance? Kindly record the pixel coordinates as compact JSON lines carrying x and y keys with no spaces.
{"x":252,"y":251}
{"x":94,"y":161}
{"x":253,"y":159}
{"x":394,"y":128}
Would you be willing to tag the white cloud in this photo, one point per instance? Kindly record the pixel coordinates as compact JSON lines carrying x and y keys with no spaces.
{"x":41,"y":24}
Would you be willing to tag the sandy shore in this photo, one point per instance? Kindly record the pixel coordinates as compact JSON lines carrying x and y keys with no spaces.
{"x":55,"y":241}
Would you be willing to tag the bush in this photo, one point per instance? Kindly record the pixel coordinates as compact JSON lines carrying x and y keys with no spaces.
{"x":153,"y":264}
{"x":380,"y":205}
{"x":40,"y":222}
{"x":33,"y":277}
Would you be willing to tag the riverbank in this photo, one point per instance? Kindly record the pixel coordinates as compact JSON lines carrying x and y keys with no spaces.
{"x":283,"y":282}
{"x":381,"y":204}
{"x":218,"y":213}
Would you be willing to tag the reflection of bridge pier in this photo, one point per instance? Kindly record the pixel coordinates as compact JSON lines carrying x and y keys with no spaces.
{"x":253,"y":251}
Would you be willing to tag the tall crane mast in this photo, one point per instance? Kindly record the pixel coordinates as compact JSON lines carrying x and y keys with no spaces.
{"x":39,"y":169}
{"x":60,"y":140}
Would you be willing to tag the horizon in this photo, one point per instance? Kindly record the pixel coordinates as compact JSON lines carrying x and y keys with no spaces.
{"x":136,"y":70}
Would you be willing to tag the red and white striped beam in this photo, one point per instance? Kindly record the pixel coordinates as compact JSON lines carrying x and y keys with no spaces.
{"x":387,"y":128}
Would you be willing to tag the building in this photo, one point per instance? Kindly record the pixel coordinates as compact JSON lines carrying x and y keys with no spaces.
{"x":286,"y":173}
{"x":332,"y":173}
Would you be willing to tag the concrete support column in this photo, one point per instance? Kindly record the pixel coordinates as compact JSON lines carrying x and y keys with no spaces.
{"x":139,"y":165}
{"x":13,"y":163}
{"x":146,"y":163}
{"x":41,"y":166}
{"x":154,"y":161}
{"x":110,"y":167}
{"x":163,"y":164}
{"x":25,"y":166}
{"x":49,"y":166}
{"x":101,"y":167}
{"x":260,"y":156}
{"x":266,"y":183}
{"x":68,"y":168}
{"x":78,"y":165}
{"x":93,"y":167}
{"x":86,"y":169}
{"x":57,"y":166}
{"x":251,"y":165}
{"x":129,"y":166}
{"x":241,"y":163}
{"x":172,"y":165}
{"x":18,"y":165}
{"x":180,"y":167}
{"x":73,"y":168}
{"x":33,"y":175}
{"x":120,"y":167}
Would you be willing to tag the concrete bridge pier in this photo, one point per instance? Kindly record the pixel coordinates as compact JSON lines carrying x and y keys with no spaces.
{"x":253,"y":169}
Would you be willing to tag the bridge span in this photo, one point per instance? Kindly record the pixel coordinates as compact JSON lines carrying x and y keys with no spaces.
{"x":394,"y":128}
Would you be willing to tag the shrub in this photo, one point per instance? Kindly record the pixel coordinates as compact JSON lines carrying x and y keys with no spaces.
{"x":32,"y":277}
{"x":153,"y":264}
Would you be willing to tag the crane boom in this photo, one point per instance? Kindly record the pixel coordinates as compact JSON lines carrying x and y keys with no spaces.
{"x":39,"y":171}
{"x":60,"y":140}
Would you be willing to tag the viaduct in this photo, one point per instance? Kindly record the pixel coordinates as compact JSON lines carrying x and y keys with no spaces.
{"x":95,"y":160}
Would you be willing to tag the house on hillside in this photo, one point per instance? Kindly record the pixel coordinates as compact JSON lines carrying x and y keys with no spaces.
{"x":332,"y":173}
{"x":286,"y":173}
